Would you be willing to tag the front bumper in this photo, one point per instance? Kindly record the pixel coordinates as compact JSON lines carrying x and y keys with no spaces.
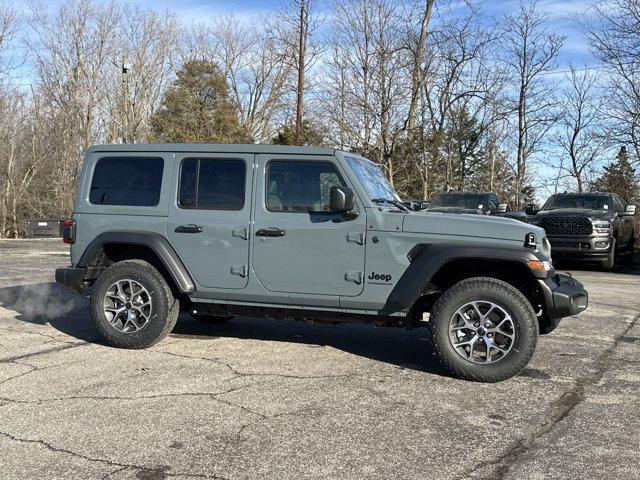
{"x":593,"y":246}
{"x":564,"y":296}
{"x":72,"y":278}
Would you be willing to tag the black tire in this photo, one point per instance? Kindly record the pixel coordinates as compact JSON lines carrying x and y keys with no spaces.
{"x":508,"y":298}
{"x":163,"y":314}
{"x":627,"y":258}
{"x":212,"y":318}
{"x":610,"y":262}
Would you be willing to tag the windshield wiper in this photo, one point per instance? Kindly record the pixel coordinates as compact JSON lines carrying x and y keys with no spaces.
{"x":398,"y":204}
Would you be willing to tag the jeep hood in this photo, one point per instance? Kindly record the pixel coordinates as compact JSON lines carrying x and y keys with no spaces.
{"x":465,"y":225}
{"x":577,"y":212}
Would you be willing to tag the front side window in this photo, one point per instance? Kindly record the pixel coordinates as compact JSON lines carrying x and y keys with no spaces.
{"x":300,"y":186}
{"x":212,"y":184}
{"x":132,"y":181}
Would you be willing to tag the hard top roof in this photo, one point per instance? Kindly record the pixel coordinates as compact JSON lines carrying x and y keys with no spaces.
{"x":212,"y":148}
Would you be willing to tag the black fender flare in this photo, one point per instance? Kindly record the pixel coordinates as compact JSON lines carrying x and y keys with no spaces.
{"x":156,"y":242}
{"x":428,"y":259}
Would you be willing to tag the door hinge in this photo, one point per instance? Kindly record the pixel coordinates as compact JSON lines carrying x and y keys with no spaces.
{"x":356,"y":237}
{"x":355,"y":277}
{"x":241,"y":232}
{"x":239,"y":270}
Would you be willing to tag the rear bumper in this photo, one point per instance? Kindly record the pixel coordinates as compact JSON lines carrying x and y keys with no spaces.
{"x":564,"y":296}
{"x":72,"y":278}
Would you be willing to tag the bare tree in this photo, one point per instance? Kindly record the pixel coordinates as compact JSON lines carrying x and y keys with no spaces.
{"x":531,"y":54}
{"x":368,"y":62}
{"x":256,"y":65}
{"x":615,"y":41}
{"x":417,"y":45}
{"x":580,"y":136}
{"x":9,"y":22}
{"x":70,"y":49}
{"x":139,"y":69}
{"x":295,"y":28}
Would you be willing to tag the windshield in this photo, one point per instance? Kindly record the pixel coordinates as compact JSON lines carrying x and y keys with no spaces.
{"x":372,"y":178}
{"x":590,"y":202}
{"x":467,"y":201}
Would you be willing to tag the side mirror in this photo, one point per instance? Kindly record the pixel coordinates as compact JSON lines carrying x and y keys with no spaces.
{"x":502,"y":208}
{"x":531,"y":209}
{"x":341,"y":199}
{"x":630,"y":210}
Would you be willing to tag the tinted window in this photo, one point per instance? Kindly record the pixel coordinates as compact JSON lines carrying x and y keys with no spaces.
{"x":582,"y":201}
{"x":132,"y":181}
{"x":468,"y":201}
{"x":212,"y":184}
{"x":300,"y":186}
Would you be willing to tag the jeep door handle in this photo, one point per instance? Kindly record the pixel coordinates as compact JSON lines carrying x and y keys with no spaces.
{"x":189,"y":229}
{"x":270,"y":232}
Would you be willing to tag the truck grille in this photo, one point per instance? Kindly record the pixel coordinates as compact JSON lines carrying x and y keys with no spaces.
{"x":566,"y":225}
{"x":578,"y":245}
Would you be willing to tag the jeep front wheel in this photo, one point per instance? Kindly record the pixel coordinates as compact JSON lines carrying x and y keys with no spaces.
{"x":483,"y":329}
{"x":132,"y":305}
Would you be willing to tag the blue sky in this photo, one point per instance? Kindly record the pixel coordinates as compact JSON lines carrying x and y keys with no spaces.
{"x":575,"y":49}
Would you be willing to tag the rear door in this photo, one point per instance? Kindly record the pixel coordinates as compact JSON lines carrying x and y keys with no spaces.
{"x":300,"y":247}
{"x":209,"y":217}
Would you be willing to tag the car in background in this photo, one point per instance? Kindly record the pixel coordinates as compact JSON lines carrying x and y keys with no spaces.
{"x":417,"y":205}
{"x":596,"y":227}
{"x":483,"y":203}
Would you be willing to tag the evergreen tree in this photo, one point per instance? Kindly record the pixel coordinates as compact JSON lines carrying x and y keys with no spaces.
{"x":619,"y":177}
{"x":309,"y":135}
{"x":198,"y":108}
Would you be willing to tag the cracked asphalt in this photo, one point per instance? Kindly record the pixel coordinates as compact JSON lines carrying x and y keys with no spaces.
{"x":262,"y":399}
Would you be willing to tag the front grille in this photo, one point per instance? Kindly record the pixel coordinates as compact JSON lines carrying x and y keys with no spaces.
{"x":580,"y":245}
{"x":566,"y":225}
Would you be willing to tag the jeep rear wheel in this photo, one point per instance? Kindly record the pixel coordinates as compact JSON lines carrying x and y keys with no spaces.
{"x":132,"y":305}
{"x":483,"y":329}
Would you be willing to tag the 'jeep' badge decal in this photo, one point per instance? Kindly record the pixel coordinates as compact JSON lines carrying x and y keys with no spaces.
{"x":380,"y":277}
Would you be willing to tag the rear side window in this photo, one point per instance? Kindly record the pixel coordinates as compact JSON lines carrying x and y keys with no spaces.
{"x":134,"y":181}
{"x":212,"y":184}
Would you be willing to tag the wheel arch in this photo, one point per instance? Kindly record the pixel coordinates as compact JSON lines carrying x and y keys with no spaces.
{"x":110,"y":247}
{"x":434,"y":268}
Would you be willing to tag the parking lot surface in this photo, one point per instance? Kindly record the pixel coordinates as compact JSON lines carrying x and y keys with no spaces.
{"x":277,"y":399}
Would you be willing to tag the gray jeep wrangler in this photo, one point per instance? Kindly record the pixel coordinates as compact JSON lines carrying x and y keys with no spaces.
{"x":303,"y":233}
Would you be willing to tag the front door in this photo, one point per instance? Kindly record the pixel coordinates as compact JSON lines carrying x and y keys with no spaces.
{"x":299,"y":246}
{"x":208,"y":222}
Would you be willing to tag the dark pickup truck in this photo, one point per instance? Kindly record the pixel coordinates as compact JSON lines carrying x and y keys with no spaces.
{"x":589,"y":226}
{"x":483,"y":203}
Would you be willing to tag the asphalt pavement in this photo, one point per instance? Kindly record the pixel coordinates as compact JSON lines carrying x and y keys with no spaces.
{"x":271,"y":399}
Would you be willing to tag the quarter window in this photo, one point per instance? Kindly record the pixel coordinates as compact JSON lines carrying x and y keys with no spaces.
{"x":134,"y":181}
{"x":300,"y":186}
{"x":212,"y":184}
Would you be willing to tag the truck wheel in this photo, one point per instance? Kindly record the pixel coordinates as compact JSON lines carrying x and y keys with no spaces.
{"x":627,"y":259}
{"x":483,"y":329}
{"x":132,"y":305}
{"x":610,"y":262}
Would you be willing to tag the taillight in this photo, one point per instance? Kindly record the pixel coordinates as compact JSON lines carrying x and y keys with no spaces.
{"x":69,"y":231}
